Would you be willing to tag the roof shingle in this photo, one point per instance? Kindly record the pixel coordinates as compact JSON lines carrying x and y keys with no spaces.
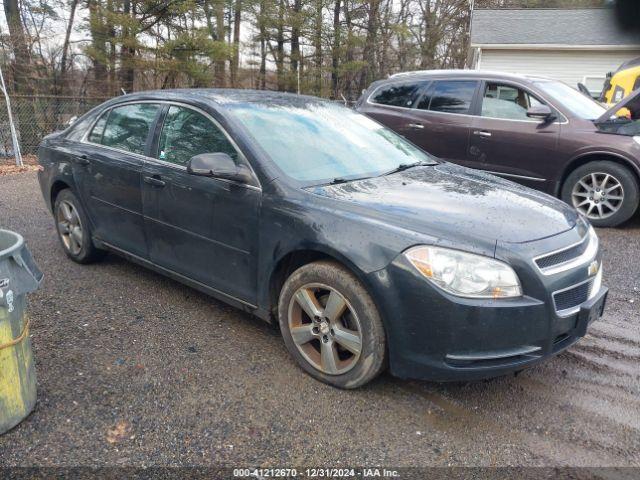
{"x":572,"y":27}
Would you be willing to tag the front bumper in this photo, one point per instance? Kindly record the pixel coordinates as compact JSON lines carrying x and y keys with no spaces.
{"x":436,"y":336}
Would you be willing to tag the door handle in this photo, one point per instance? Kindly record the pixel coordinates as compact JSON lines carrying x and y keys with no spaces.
{"x":156,"y":182}
{"x":82,"y":160}
{"x":482,"y":133}
{"x":417,"y":126}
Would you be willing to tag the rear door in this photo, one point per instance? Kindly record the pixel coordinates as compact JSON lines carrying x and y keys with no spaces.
{"x":391,"y":103}
{"x":441,"y":119}
{"x":107,"y":169}
{"x":203,"y":228}
{"x":507,"y":142}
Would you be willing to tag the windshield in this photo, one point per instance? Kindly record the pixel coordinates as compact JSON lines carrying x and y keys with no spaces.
{"x":320,"y":142}
{"x":578,"y":103}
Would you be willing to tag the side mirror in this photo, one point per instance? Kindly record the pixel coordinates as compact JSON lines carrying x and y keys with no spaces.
{"x":218,"y":165}
{"x":541,"y":112}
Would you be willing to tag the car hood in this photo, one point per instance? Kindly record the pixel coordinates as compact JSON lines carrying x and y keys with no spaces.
{"x":450,"y":200}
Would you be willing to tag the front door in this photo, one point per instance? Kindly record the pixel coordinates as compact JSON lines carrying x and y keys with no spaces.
{"x":200,"y":227}
{"x":107,"y":168}
{"x":507,"y":142}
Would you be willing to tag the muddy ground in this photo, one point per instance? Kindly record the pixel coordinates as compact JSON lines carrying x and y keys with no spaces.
{"x":136,"y":369}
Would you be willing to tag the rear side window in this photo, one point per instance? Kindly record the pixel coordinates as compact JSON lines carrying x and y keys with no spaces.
{"x":451,"y":96}
{"x":98,"y":129}
{"x":398,"y":95}
{"x":126,"y":128}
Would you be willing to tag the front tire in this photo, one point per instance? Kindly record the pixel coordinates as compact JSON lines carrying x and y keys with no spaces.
{"x":606,"y":193}
{"x":331,"y":325}
{"x":74,"y":230}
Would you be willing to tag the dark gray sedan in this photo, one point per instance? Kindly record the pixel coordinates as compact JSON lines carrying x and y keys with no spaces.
{"x":367,"y":251}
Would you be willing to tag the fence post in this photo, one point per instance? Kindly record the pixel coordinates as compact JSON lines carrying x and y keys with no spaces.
{"x":14,"y":135}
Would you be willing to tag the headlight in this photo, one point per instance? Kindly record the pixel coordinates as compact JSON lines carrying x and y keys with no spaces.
{"x":465,"y":274}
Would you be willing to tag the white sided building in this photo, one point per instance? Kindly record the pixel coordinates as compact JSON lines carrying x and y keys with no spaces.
{"x":571,"y":45}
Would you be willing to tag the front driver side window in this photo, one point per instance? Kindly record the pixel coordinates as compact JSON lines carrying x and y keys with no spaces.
{"x":507,"y":102}
{"x":187,"y":133}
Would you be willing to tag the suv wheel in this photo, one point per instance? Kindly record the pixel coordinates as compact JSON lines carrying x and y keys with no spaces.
{"x":604,"y":192}
{"x":331,"y":326}
{"x":73,"y":229}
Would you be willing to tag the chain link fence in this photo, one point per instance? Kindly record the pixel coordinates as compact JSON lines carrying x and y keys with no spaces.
{"x":38,"y":115}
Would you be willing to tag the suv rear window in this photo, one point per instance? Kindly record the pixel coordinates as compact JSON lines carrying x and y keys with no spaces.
{"x":397,"y":95}
{"x":451,"y":96}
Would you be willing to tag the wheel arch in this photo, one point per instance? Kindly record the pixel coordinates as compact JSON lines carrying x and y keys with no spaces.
{"x":299,"y":257}
{"x":56,"y":188}
{"x":585,"y":158}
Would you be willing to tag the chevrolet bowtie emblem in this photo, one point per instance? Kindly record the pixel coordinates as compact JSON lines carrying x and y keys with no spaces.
{"x":593,"y":268}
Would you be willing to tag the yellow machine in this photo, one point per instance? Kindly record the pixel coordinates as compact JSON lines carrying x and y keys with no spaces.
{"x":622,"y":82}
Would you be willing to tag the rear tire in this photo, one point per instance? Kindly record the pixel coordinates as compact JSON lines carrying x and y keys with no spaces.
{"x":606,"y":193}
{"x":339,"y":336}
{"x":74,"y":229}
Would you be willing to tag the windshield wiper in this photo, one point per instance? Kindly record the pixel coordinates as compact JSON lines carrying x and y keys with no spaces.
{"x":339,"y":180}
{"x":406,"y":166}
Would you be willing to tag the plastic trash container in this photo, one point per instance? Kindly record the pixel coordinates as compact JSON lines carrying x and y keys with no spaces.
{"x":19,"y":275}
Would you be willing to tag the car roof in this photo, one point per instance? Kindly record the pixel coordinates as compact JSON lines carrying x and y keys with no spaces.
{"x":460,"y":73}
{"x":224,"y":97}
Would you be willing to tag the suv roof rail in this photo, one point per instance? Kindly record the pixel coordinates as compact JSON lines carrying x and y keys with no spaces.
{"x":434,"y":70}
{"x":413,"y":72}
{"x":469,"y":71}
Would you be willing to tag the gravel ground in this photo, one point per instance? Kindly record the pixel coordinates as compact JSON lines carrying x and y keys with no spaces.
{"x":136,"y":369}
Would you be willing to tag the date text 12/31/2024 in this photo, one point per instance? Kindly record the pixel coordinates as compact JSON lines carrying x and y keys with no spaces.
{"x":316,"y":473}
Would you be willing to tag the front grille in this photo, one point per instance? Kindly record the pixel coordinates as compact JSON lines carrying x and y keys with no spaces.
{"x":562,"y":256}
{"x":572,"y":297}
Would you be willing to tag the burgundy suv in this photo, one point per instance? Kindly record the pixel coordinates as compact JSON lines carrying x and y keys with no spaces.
{"x":533,"y":130}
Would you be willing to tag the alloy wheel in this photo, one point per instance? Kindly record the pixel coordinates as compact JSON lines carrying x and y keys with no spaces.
{"x":597,"y":195}
{"x":69,"y":227}
{"x":325,"y":329}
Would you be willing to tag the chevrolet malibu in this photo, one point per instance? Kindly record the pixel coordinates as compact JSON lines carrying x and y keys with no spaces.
{"x":368,"y":252}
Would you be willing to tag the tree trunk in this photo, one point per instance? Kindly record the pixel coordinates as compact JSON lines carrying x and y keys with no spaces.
{"x":369,"y":53}
{"x":317,"y":46}
{"x":335,"y":50}
{"x":29,"y":133}
{"x":428,"y":46}
{"x":97,"y":30}
{"x":127,"y":51}
{"x":402,"y":48}
{"x":295,"y":46}
{"x":219,"y":67}
{"x":20,"y":46}
{"x":280,"y":46}
{"x":263,"y":46}
{"x":112,"y":88}
{"x":65,"y":45}
{"x":235,"y":59}
{"x":61,"y":81}
{"x":348,"y":80}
